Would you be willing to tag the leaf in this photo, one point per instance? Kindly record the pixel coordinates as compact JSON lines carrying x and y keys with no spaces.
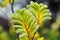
{"x":40,"y":11}
{"x":24,"y":22}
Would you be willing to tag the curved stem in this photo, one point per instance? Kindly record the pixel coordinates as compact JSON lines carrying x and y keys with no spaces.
{"x":18,"y":36}
{"x":12,"y":3}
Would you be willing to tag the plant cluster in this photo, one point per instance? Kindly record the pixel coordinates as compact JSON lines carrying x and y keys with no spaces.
{"x":28,"y":20}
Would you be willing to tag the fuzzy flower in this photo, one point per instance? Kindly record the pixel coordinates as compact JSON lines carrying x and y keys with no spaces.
{"x":40,"y":12}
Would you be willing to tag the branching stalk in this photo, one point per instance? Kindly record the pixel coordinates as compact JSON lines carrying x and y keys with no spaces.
{"x":27,"y":30}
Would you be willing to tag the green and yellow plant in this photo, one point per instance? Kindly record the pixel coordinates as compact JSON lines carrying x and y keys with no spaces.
{"x":28,"y":20}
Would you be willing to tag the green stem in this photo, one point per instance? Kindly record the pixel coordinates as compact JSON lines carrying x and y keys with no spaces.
{"x":18,"y":36}
{"x":12,"y":3}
